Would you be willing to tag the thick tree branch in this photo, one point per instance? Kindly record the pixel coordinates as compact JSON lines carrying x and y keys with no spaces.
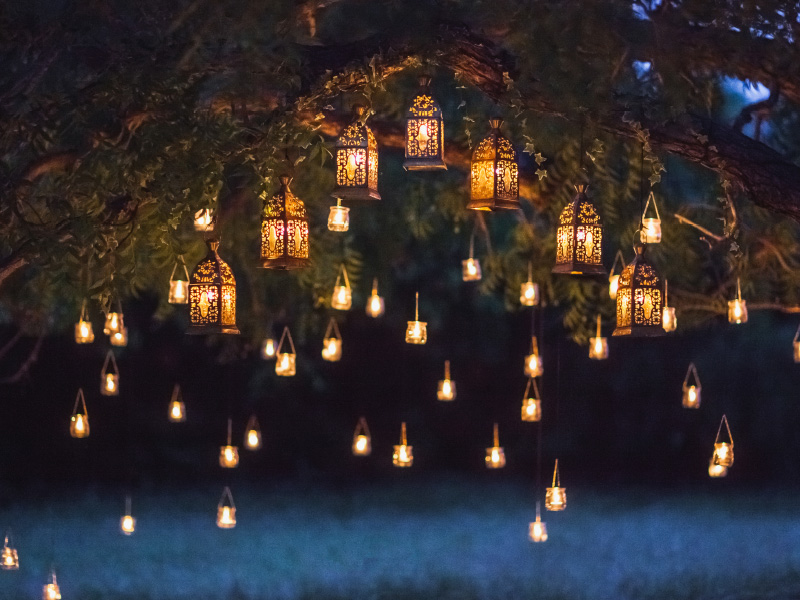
{"x":26,"y":365}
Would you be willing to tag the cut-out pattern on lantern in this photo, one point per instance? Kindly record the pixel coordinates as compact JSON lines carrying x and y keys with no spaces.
{"x":651,"y":226}
{"x":286,"y":362}
{"x":226,"y":510}
{"x":204,"y":220}
{"x":531,"y":405}
{"x":424,"y":132}
{"x":375,"y":304}
{"x":127,"y":523}
{"x":446,"y":390}
{"x":268,"y":348}
{"x":9,"y":559}
{"x":79,"y":422}
{"x":179,"y":288}
{"x":332,"y":342}
{"x":84,"y":334}
{"x":471,"y":267}
{"x":494,"y":173}
{"x":228,"y":454}
{"x":212,"y":295}
{"x":669,"y":321}
{"x":51,"y":591}
{"x":533,"y":361}
{"x":537,"y":530}
{"x":177,"y":409}
{"x":613,"y":278}
{"x":362,"y":441}
{"x":639,"y":299}
{"x":416,"y":331}
{"x":342,"y":297}
{"x":796,"y":346}
{"x":556,"y":496}
{"x":529,"y":291}
{"x":691,"y":389}
{"x":284,"y":230}
{"x":357,"y":161}
{"x":579,"y":238}
{"x":403,"y":455}
{"x":109,"y":379}
{"x":339,"y":217}
{"x":723,"y":451}
{"x":495,"y":455}
{"x":598,"y":345}
{"x":737,"y":308}
{"x":252,"y":434}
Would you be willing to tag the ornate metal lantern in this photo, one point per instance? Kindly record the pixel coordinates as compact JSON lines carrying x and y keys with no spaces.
{"x":332,"y":342}
{"x":691,"y":391}
{"x":83,"y":328}
{"x":668,"y":319}
{"x":252,"y":434}
{"x":177,"y":409}
{"x":531,"y":405}
{"x":494,"y":173}
{"x":537,"y":531}
{"x":228,"y":454}
{"x":639,"y":299}
{"x":342,"y":298}
{"x":51,"y":591}
{"x":226,"y":510}
{"x":9,"y":559}
{"x":737,"y":308}
{"x":109,"y":379}
{"x":127,"y":523}
{"x":579,"y":239}
{"x":357,"y":161}
{"x":339,"y":217}
{"x":375,"y":305}
{"x":403,"y":455}
{"x":212,"y":295}
{"x":651,"y":226}
{"x":416,"y":331}
{"x":529,"y":291}
{"x":495,"y":456}
{"x":533,"y":362}
{"x":286,"y":363}
{"x":424,"y":132}
{"x":362,"y":441}
{"x":556,"y":496}
{"x":284,"y":230}
{"x":79,"y":422}
{"x":723,"y":451}
{"x":613,"y":278}
{"x":179,"y":288}
{"x":598,"y":345}
{"x":446,"y":390}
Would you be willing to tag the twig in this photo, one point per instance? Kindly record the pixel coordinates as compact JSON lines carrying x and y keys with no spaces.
{"x":10,"y":344}
{"x":25,"y":367}
{"x":700,"y":228}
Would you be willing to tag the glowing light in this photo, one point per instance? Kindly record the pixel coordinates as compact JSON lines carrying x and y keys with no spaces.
{"x":362,"y":443}
{"x":268,"y":349}
{"x":403,"y":455}
{"x":204,"y":220}
{"x":9,"y":559}
{"x":416,"y":330}
{"x":556,"y":496}
{"x":446,"y":390}
{"x":226,"y":510}
{"x":339,"y":217}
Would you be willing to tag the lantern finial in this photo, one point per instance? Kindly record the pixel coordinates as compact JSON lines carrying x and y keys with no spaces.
{"x":495,"y":123}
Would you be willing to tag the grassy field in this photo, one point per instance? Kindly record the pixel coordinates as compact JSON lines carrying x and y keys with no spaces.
{"x":448,"y":540}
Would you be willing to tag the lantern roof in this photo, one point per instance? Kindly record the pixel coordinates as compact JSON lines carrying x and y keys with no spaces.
{"x":495,"y":145}
{"x":284,"y":204}
{"x":580,"y":211}
{"x":639,"y":273}
{"x":424,"y":105}
{"x":212,"y":269}
{"x":357,"y":134}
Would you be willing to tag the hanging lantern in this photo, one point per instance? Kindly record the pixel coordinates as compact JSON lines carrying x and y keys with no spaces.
{"x":668,"y":319}
{"x":447,"y":388}
{"x":424,"y":132}
{"x":83,"y":328}
{"x":494,"y":173}
{"x":537,"y":531}
{"x":79,"y":422}
{"x":212,"y":295}
{"x":109,"y":380}
{"x":339,"y":217}
{"x":723,"y":451}
{"x":417,"y":331}
{"x":284,"y":230}
{"x":598,"y":345}
{"x":177,"y":409}
{"x":357,"y":161}
{"x":179,"y":288}
{"x":471,"y":268}
{"x":375,"y":304}
{"x":9,"y":559}
{"x":204,"y":220}
{"x":286,"y":363}
{"x":226,"y":510}
{"x":120,"y":337}
{"x":362,"y":441}
{"x":796,"y":346}
{"x":531,"y":405}
{"x":252,"y":434}
{"x":579,"y":239}
{"x":228,"y":454}
{"x":342,"y":298}
{"x":737,"y":308}
{"x":613,"y":278}
{"x":113,"y":322}
{"x":51,"y":591}
{"x":651,"y":226}
{"x":715,"y":470}
{"x":495,"y":456}
{"x":639,"y":299}
{"x":529,"y":291}
{"x":556,"y":497}
{"x":127,"y":523}
{"x":533,"y":362}
{"x":403,"y":455}
{"x":268,"y":349}
{"x":332,"y":342}
{"x":691,"y":391}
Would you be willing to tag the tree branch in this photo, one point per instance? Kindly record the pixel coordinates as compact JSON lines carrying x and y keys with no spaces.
{"x":25,"y":367}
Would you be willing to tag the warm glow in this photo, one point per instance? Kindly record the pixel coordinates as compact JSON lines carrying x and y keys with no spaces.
{"x":470,"y":269}
{"x":375,"y":306}
{"x":691,"y":396}
{"x":178,"y":291}
{"x":228,"y":457}
{"x":342,"y":298}
{"x":495,"y":458}
{"x":332,"y":349}
{"x":796,"y":351}
{"x":598,"y":348}
{"x":253,"y":439}
{"x":529,"y":294}
{"x":723,"y":454}
{"x":9,"y":560}
{"x":113,"y":323}
{"x":127,"y":524}
{"x":651,"y":232}
{"x":286,"y":365}
{"x":360,"y":445}
{"x":339,"y":218}
{"x":111,"y":384}
{"x":531,"y":409}
{"x":613,"y":286}
{"x":668,"y":319}
{"x":402,"y":456}
{"x":176,"y":411}
{"x":555,"y":498}
{"x":537,"y":531}
{"x":204,"y":220}
{"x":268,"y":349}
{"x":533,"y":365}
{"x":715,"y":470}
{"x":417,"y":332}
{"x":737,"y":311}
{"x":226,"y":517}
{"x":52,"y":591}
{"x":120,"y":338}
{"x":446,"y":390}
{"x":83,"y":332}
{"x":79,"y":426}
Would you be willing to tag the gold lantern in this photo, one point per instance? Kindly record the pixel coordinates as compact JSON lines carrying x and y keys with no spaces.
{"x":9,"y":559}
{"x":651,"y":226}
{"x":177,"y":409}
{"x":447,"y":389}
{"x":537,"y":531}
{"x":715,"y":470}
{"x":286,"y":363}
{"x":613,"y":278}
{"x":339,"y":217}
{"x":79,"y":422}
{"x":252,"y":434}
{"x":268,"y":349}
{"x":533,"y":362}
{"x":737,"y":308}
{"x":403,"y":455}
{"x":529,"y":291}
{"x":362,"y":441}
{"x":284,"y":230}
{"x":51,"y":591}
{"x":579,"y":238}
{"x":531,"y":405}
{"x":228,"y":454}
{"x":342,"y":298}
{"x":424,"y":132}
{"x":639,"y":299}
{"x":471,"y":267}
{"x":109,"y":380}
{"x":598,"y":345}
{"x":204,"y":220}
{"x":83,"y":328}
{"x":723,"y":451}
{"x":127,"y":523}
{"x":495,"y":456}
{"x":113,"y":322}
{"x":226,"y":510}
{"x":179,"y":288}
{"x":416,"y":331}
{"x":555,"y":497}
{"x":357,"y":161}
{"x":212,"y":295}
{"x":796,"y":346}
{"x":332,"y":342}
{"x":375,"y":304}
{"x":494,"y":173}
{"x":691,"y":391}
{"x":668,"y":319}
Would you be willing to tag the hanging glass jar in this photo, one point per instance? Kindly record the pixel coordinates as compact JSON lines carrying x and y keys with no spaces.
{"x":613,"y":278}
{"x":533,"y":362}
{"x":342,"y":298}
{"x":416,"y":331}
{"x":723,"y":451}
{"x":639,"y":299}
{"x":424,"y":132}
{"x":531,"y":405}
{"x":113,"y":322}
{"x":286,"y":363}
{"x":598,"y":345}
{"x":228,"y":454}
{"x":494,"y":173}
{"x":339,"y":217}
{"x":226,"y":510}
{"x":177,"y":409}
{"x":332,"y":342}
{"x":403,"y":455}
{"x":715,"y":470}
{"x":529,"y":291}
{"x":537,"y":531}
{"x":268,"y":349}
{"x":109,"y":379}
{"x":691,"y":391}
{"x":284,"y":230}
{"x":119,"y":337}
{"x":179,"y":288}
{"x":556,"y":496}
{"x":495,"y":455}
{"x":252,"y":434}
{"x":357,"y":161}
{"x":83,"y":328}
{"x":737,"y":308}
{"x":796,"y":346}
{"x":579,"y":238}
{"x":127,"y":523}
{"x":362,"y":441}
{"x":212,"y":295}
{"x":79,"y":422}
{"x":51,"y":591}
{"x":375,"y":304}
{"x":446,"y":390}
{"x":9,"y":560}
{"x":471,"y":267}
{"x":204,"y":220}
{"x":651,"y":226}
{"x":668,"y":319}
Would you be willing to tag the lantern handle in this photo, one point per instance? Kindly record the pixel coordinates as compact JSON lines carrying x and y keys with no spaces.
{"x":619,"y":258}
{"x":647,"y":204}
{"x":496,"y":436}
{"x":342,"y":271}
{"x":598,"y":326}
{"x":286,"y":334}
{"x":128,"y":504}
{"x":333,"y":327}
{"x":538,"y":511}
{"x":230,"y":430}
{"x":83,"y":310}
{"x":403,"y":440}
{"x":375,"y":286}
{"x":416,"y":309}
{"x":534,"y":345}
{"x":666,"y":290}
{"x":82,"y":400}
{"x":361,"y":427}
{"x":252,"y":423}
{"x":447,"y":370}
{"x":797,"y":334}
{"x":175,"y":266}
{"x":556,"y":476}
{"x":530,"y":271}
{"x":692,"y":371}
{"x":176,"y":393}
{"x":738,"y":288}
{"x":226,"y":493}
{"x":531,"y":380}
{"x":728,"y":427}
{"x":109,"y":360}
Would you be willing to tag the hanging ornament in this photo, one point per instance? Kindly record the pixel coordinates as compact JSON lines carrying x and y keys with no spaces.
{"x":228,"y":454}
{"x":447,"y":389}
{"x":424,"y":132}
{"x":51,"y":591}
{"x":639,"y":299}
{"x":531,"y":405}
{"x":403,"y":455}
{"x":109,"y":380}
{"x":204,"y":220}
{"x":9,"y":559}
{"x":127,"y":523}
{"x":537,"y":531}
{"x":252,"y":434}
{"x":268,"y":349}
{"x":556,"y":497}
{"x":796,"y":345}
{"x":284,"y":230}
{"x":737,"y":308}
{"x":494,"y":178}
{"x":375,"y":304}
{"x":613,"y":278}
{"x":113,"y":322}
{"x":598,"y":345}
{"x":179,"y":288}
{"x":342,"y":298}
{"x":651,"y":226}
{"x":83,"y":328}
{"x":357,"y":161}
{"x":579,"y":239}
{"x":495,"y":456}
{"x":339,"y":217}
{"x":417,"y":331}
{"x":332,"y":342}
{"x":177,"y":409}
{"x":715,"y":470}
{"x":691,"y":391}
{"x":533,"y":362}
{"x":212,"y":295}
{"x":668,"y":319}
{"x":286,"y":363}
{"x":362,"y":441}
{"x":226,"y":510}
{"x":529,"y":291}
{"x":79,"y":422}
{"x":471,"y":267}
{"x":723,"y":451}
